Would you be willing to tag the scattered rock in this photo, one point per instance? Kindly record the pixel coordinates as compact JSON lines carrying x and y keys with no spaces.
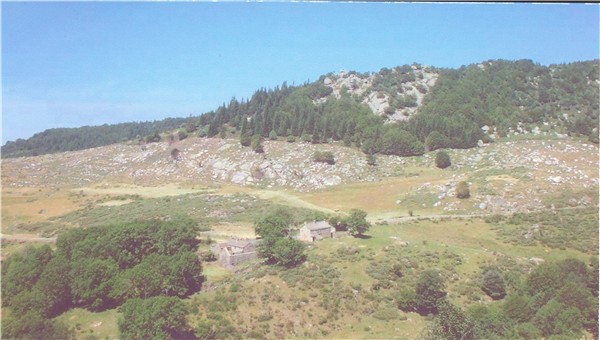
{"x":536,"y":260}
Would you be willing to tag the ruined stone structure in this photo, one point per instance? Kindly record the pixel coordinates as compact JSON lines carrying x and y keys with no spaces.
{"x":234,"y":252}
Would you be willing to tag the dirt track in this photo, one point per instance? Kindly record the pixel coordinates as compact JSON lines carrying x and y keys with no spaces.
{"x":27,"y":238}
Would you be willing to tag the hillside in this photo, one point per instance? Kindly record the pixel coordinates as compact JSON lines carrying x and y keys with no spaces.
{"x":510,"y":175}
{"x":501,"y":241}
{"x":533,"y":202}
{"x":434,"y":107}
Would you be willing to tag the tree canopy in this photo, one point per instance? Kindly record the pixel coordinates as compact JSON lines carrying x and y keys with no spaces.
{"x":277,"y":245}
{"x":98,"y":268}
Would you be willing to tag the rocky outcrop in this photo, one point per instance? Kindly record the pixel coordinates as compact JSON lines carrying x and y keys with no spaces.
{"x":358,"y":85}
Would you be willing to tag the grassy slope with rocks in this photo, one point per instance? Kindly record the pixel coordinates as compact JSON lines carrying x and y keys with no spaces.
{"x":522,"y":186}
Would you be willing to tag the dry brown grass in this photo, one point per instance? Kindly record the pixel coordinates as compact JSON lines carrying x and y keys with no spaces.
{"x":375,"y":198}
{"x":31,"y":205}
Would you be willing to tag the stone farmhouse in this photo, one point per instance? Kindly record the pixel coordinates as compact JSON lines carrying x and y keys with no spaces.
{"x":314,"y":231}
{"x":234,"y":252}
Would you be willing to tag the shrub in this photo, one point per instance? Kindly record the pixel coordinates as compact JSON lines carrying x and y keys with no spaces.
{"x":168,"y":315}
{"x":407,"y":300}
{"x":435,"y":140}
{"x":273,"y":135}
{"x":181,"y":135}
{"x":371,"y":159}
{"x":175,"y":153}
{"x":223,"y":131}
{"x":386,"y":314}
{"x":153,"y":138}
{"x":291,"y":139}
{"x":324,"y":157}
{"x":462,"y":190}
{"x":256,"y":144}
{"x":493,"y":285}
{"x":306,"y":138}
{"x":430,"y":291}
{"x":245,"y":139}
{"x":421,"y":88}
{"x":451,"y":323}
{"x":203,"y":132}
{"x":400,"y":143}
{"x":442,"y":160}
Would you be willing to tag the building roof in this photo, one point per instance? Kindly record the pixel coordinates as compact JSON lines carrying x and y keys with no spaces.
{"x":320,"y":225}
{"x":238,"y":243}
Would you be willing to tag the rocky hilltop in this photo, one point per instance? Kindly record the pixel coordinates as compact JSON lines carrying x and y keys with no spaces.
{"x":361,"y":86}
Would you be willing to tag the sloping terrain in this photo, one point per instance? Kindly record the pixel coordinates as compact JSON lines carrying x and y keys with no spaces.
{"x":506,"y":176}
{"x":344,"y":289}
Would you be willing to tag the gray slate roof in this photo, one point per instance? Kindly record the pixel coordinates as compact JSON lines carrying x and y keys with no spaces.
{"x":320,"y":225}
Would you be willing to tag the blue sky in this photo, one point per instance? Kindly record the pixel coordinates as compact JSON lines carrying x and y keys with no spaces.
{"x":88,"y":63}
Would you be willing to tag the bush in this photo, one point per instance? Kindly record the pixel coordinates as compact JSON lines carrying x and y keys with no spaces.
{"x":493,"y":285}
{"x":442,"y":160}
{"x":407,"y":300}
{"x":168,"y":315}
{"x":245,"y":139}
{"x":451,"y":323}
{"x":400,"y":143}
{"x":291,"y":139}
{"x":273,"y":135}
{"x":436,"y":140}
{"x":371,"y":159}
{"x":430,"y":291}
{"x":462,"y":190}
{"x":181,"y":135}
{"x":175,"y":154}
{"x":324,"y":157}
{"x":386,"y":314}
{"x":256,"y":144}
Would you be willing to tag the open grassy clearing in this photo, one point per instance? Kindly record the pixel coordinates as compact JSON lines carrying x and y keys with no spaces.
{"x":100,"y":325}
{"x":215,"y":272}
{"x":26,"y":206}
{"x":378,"y":199}
{"x":224,"y":231}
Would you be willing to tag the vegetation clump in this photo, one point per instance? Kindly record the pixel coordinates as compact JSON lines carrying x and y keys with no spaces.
{"x":167,"y":315}
{"x":493,"y":284}
{"x":256,"y":144}
{"x":99,"y":268}
{"x":442,"y":160}
{"x":462,"y":190}
{"x":277,"y":245}
{"x":324,"y":157}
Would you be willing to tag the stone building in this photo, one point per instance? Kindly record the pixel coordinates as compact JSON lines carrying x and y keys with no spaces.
{"x":313,"y":231}
{"x":234,"y":252}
